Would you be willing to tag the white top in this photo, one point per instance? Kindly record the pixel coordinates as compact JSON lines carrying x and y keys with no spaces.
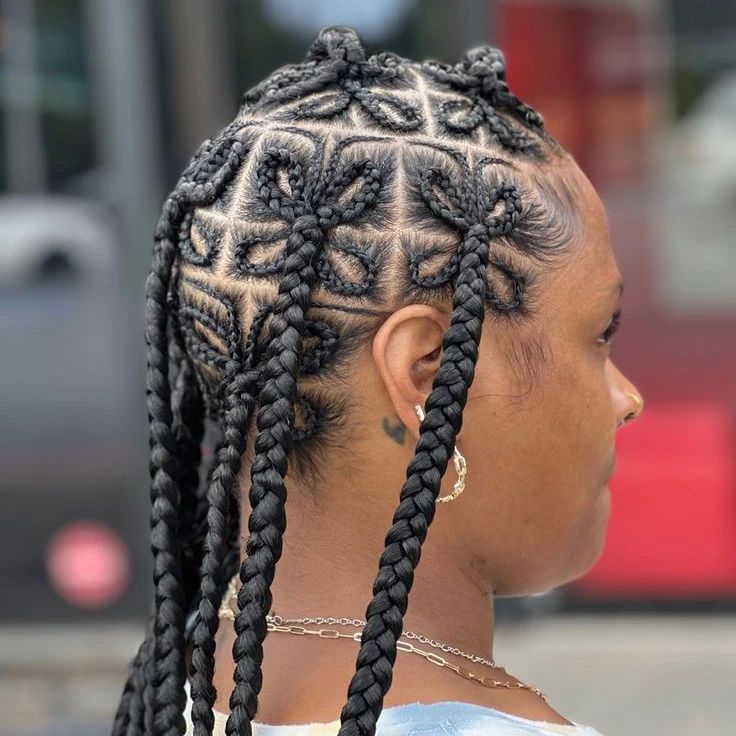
{"x":443,"y":718}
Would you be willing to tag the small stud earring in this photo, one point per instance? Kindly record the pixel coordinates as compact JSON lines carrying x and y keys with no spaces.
{"x":461,"y":466}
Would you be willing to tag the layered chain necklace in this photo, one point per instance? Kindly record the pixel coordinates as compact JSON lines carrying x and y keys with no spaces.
{"x":297,"y":627}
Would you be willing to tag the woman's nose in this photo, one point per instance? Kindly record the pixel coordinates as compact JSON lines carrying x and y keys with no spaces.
{"x":628,"y":400}
{"x":636,"y":398}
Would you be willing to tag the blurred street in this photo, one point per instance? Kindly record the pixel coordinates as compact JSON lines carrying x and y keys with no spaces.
{"x":102,"y":104}
{"x":623,"y":674}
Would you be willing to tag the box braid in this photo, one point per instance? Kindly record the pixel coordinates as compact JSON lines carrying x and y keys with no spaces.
{"x":310,"y":217}
{"x":153,"y":696}
{"x":438,"y":431}
{"x":274,"y":259}
{"x":240,"y":400}
{"x":187,"y":407}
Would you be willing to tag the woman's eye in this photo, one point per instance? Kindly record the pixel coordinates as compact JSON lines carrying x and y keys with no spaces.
{"x":605,"y":338}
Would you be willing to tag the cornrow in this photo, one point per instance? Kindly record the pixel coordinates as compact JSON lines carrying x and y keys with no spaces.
{"x":347,"y":186}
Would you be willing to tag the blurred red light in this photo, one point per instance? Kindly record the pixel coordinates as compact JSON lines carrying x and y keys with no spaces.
{"x":88,"y":564}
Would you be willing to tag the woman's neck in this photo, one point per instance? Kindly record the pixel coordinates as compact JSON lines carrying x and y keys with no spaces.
{"x":329,"y":564}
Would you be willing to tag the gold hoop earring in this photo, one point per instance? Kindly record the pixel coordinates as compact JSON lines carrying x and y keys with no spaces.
{"x":461,"y":466}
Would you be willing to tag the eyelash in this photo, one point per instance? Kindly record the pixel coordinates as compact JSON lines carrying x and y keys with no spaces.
{"x":605,"y":338}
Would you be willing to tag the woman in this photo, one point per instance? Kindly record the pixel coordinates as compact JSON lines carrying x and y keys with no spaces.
{"x":380,"y":268}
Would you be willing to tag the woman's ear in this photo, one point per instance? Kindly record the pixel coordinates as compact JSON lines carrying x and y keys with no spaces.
{"x":406,"y":352}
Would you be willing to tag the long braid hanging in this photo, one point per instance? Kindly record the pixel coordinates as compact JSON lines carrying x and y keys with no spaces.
{"x":170,"y":606}
{"x":153,"y":697}
{"x":243,"y":377}
{"x":141,"y":687}
{"x":240,"y":401}
{"x":314,"y":207}
{"x":268,"y":493}
{"x":275,"y":420}
{"x":212,"y":169}
{"x":188,"y":410}
{"x":438,"y":432}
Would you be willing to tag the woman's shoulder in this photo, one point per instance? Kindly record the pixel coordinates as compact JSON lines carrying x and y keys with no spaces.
{"x":468,"y":719}
{"x":424,"y":719}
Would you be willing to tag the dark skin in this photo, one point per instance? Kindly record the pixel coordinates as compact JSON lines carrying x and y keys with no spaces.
{"x":540,"y":449}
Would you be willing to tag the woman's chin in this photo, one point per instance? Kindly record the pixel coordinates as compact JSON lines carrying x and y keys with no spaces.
{"x":601,"y":525}
{"x":595,"y":536}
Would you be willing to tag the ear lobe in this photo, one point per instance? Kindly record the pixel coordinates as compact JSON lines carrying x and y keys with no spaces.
{"x":406,"y":351}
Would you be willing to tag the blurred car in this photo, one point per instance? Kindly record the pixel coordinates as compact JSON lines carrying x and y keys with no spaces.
{"x":66,"y":421}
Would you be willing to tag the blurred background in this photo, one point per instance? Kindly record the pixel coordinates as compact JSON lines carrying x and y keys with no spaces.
{"x":102,"y":102}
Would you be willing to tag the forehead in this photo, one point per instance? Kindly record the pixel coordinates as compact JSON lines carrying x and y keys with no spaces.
{"x":585,"y":280}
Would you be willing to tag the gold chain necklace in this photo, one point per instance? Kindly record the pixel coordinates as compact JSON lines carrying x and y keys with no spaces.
{"x":293,"y":626}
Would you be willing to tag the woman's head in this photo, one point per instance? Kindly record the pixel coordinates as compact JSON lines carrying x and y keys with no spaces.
{"x":367,"y":235}
{"x":539,"y":426}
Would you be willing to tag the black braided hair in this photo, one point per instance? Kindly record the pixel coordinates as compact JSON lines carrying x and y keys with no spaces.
{"x":153,"y":697}
{"x":347,"y":186}
{"x":438,"y":430}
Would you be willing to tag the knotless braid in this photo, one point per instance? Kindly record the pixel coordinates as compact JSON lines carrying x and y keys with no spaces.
{"x":168,"y":649}
{"x":239,"y":404}
{"x":153,"y":697}
{"x":310,"y":218}
{"x":324,"y":193}
{"x":188,"y":428}
{"x":243,"y":375}
{"x":201,"y":184}
{"x":130,"y":712}
{"x":437,"y":435}
{"x":267,"y":521}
